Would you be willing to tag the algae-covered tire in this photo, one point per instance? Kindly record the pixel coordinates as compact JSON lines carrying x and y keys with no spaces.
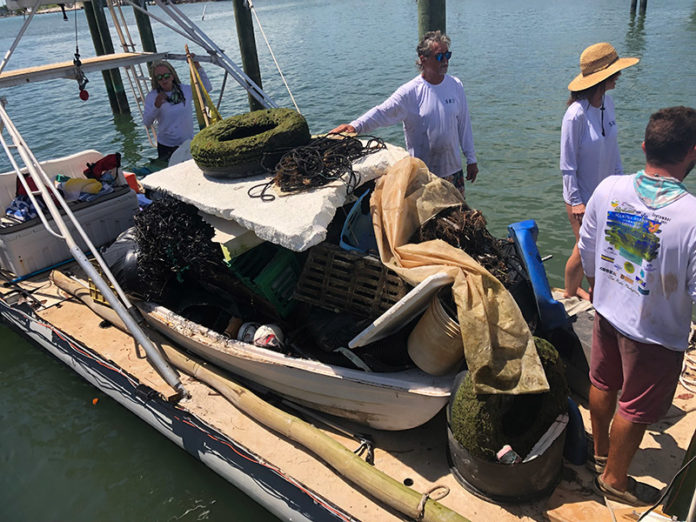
{"x":484,"y":423}
{"x":234,"y":147}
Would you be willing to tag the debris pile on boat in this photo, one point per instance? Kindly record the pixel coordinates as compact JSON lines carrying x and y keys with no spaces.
{"x":319,"y":299}
{"x":465,"y":228}
{"x":172,"y":239}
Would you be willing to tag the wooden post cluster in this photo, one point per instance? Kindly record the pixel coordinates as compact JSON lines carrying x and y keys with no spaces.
{"x":101,"y":37}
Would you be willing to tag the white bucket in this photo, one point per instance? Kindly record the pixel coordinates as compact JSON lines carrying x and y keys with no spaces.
{"x":435,"y":344}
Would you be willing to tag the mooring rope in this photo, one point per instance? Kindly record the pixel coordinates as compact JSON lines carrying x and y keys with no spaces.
{"x":437,"y":492}
{"x":251,"y":8}
{"x":323,"y":160}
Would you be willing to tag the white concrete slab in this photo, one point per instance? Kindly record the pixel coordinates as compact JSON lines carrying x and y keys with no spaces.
{"x":297,"y":221}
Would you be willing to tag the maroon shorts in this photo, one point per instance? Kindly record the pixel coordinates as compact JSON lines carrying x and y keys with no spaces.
{"x":646,"y":374}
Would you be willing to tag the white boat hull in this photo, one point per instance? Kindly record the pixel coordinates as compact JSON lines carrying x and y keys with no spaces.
{"x":386,"y":401}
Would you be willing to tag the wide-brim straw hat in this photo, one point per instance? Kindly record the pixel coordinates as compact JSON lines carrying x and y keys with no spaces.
{"x":597,"y":63}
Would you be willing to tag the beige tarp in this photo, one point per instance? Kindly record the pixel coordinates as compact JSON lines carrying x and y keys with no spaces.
{"x":498,"y":345}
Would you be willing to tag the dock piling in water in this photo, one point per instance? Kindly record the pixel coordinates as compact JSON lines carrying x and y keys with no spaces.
{"x":431,"y":16}
{"x":247,"y":47}
{"x":147,"y":39}
{"x":101,"y":37}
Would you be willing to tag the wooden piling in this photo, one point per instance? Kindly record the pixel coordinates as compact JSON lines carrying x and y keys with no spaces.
{"x":431,"y":16}
{"x":142,"y":21}
{"x":247,"y":47}
{"x":101,"y":37}
{"x":643,"y":6}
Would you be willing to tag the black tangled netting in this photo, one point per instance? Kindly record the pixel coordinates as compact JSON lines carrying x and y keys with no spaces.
{"x":322,"y":160}
{"x":173,"y":241}
{"x":466,"y":229}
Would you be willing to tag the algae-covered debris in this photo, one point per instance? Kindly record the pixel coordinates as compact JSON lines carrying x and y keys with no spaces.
{"x":485,"y":423}
{"x":173,"y":242}
{"x":249,"y":137}
{"x":465,"y":228}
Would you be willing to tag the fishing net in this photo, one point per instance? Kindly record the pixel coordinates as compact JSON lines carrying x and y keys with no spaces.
{"x":465,"y":228}
{"x":173,"y":241}
{"x":321,"y":161}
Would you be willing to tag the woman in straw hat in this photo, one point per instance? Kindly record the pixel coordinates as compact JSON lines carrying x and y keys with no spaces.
{"x":589,"y":145}
{"x":170,"y":103}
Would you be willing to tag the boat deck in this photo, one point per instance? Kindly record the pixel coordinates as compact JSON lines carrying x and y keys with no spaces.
{"x":417,"y":457}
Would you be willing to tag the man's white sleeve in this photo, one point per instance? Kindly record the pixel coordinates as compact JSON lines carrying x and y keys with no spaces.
{"x":466,"y":136}
{"x":390,"y":112}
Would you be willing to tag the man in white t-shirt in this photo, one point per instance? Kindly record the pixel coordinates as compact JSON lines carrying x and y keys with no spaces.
{"x":638,"y":249}
{"x":434,"y":113}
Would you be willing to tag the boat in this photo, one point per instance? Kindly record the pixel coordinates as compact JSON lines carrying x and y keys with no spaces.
{"x":270,"y":464}
{"x":394,"y":401}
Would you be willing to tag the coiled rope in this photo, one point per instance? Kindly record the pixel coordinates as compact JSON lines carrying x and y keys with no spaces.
{"x":323,"y":160}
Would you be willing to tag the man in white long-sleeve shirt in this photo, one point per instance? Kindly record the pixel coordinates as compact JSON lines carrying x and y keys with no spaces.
{"x":638,"y":250}
{"x":434,"y":113}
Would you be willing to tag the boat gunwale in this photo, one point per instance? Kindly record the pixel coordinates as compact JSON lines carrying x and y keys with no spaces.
{"x":398,"y":381}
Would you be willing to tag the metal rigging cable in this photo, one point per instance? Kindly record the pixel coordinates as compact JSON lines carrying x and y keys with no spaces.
{"x":251,"y":8}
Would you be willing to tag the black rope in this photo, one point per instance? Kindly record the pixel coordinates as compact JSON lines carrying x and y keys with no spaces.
{"x":79,"y":74}
{"x":319,"y":162}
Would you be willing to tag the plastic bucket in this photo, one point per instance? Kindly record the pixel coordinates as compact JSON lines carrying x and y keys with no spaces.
{"x":435,"y":344}
{"x":497,"y":482}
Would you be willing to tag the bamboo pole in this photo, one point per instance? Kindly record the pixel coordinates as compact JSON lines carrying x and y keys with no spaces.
{"x":196,"y":86}
{"x":374,"y":482}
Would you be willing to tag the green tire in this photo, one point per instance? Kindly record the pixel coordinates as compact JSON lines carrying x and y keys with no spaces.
{"x":235,"y":147}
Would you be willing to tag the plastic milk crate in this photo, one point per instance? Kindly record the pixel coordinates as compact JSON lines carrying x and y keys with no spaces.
{"x":339,"y":280}
{"x":270,"y":271}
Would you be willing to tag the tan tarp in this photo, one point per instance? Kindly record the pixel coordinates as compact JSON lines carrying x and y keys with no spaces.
{"x":498,"y":345}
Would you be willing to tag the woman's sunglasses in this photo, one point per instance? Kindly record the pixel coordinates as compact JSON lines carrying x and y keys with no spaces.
{"x":441,"y":56}
{"x":164,"y":76}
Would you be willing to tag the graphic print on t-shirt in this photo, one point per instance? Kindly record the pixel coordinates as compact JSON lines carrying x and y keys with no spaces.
{"x":634,"y":243}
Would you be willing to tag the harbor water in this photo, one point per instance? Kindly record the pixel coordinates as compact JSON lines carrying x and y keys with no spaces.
{"x":65,"y":457}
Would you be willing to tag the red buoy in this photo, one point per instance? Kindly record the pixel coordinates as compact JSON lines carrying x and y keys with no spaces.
{"x":84,"y":95}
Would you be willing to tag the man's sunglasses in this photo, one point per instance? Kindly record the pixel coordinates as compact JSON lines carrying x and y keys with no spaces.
{"x":164,"y":76}
{"x":441,"y":56}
